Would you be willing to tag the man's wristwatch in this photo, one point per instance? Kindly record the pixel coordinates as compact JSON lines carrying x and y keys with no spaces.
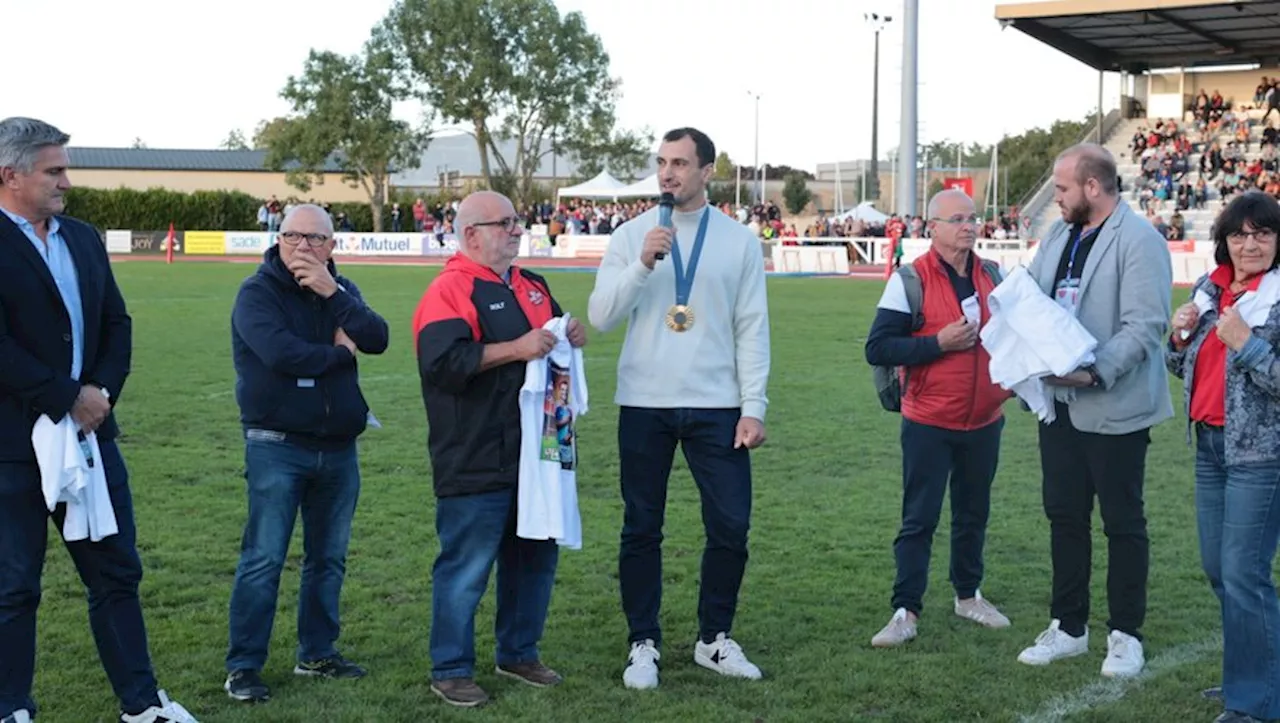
{"x":1095,"y":380}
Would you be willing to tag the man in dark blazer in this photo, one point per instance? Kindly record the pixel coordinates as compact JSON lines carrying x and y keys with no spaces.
{"x":65,"y":345}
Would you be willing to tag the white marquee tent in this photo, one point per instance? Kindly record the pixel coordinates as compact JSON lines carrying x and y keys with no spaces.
{"x":602,"y":186}
{"x":646,"y":187}
{"x":864,"y":212}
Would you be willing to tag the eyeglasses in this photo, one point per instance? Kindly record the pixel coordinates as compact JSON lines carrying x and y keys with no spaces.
{"x":1260,"y":236}
{"x":314,"y":240}
{"x":959,"y":220}
{"x":508,"y":223}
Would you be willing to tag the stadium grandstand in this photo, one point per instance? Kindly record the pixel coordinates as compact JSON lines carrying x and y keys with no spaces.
{"x":1198,"y":108}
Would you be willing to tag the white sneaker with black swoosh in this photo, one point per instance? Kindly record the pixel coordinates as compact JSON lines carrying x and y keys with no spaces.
{"x":725,"y":657}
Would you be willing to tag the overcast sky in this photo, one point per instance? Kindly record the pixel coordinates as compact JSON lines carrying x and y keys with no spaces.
{"x":109,"y":72}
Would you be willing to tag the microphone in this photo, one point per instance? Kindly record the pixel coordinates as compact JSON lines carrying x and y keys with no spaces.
{"x":665,"y":202}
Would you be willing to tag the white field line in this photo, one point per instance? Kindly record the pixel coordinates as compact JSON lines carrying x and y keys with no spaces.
{"x":1106,"y":691}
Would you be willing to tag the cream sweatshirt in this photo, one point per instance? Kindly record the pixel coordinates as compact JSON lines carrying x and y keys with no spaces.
{"x":722,"y":361}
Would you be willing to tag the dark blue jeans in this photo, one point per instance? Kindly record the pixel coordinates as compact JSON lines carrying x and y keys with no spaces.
{"x":647,"y":441}
{"x":1238,"y":516}
{"x":110,"y":569}
{"x":476,"y":531}
{"x":932,"y":456}
{"x":281,"y":478}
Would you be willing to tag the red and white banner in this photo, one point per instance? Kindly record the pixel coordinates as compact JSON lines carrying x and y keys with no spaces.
{"x":964,"y":184}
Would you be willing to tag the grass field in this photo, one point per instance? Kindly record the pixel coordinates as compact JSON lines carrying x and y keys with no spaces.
{"x":826,"y":511}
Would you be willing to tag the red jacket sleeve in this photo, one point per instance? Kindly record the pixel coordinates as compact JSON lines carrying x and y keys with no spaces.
{"x":446,"y":327}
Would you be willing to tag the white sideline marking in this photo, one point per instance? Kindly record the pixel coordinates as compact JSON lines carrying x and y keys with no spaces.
{"x":1106,"y":691}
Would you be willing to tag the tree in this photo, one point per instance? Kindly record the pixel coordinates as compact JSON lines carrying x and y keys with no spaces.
{"x":796,"y":194}
{"x":725,"y":170}
{"x":234,"y":141}
{"x":342,"y":115}
{"x":515,"y":70}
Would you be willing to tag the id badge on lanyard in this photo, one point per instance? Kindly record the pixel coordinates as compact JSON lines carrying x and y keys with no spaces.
{"x":1067,"y":291}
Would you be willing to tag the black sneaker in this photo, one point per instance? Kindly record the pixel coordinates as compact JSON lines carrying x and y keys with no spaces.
{"x":247,"y":685}
{"x":334,"y":667}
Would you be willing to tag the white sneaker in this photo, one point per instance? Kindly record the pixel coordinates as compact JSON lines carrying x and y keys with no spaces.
{"x":642,"y":666}
{"x":725,"y":657}
{"x":1124,"y":656}
{"x":167,"y":712}
{"x":899,"y":630}
{"x":1054,"y":644}
{"x":18,"y":716}
{"x":981,"y":611}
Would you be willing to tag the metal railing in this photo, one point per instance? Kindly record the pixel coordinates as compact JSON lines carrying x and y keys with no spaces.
{"x":1030,"y":205}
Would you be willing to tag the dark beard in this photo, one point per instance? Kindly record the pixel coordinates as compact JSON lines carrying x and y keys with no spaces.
{"x":1077,"y":216}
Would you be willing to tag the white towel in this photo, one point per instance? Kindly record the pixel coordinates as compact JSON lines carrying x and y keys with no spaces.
{"x":72,"y":472}
{"x":1029,"y":337}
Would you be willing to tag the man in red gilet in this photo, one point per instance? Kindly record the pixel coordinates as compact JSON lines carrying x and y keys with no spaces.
{"x":951,"y":413}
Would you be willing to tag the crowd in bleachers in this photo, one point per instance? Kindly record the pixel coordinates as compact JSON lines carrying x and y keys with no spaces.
{"x":1209,"y":156}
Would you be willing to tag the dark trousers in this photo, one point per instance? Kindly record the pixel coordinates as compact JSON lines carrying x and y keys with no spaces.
{"x":1076,"y":466}
{"x":110,"y":569}
{"x":283,"y":478}
{"x":647,"y":441}
{"x":932,"y":456}
{"x":477,"y":531}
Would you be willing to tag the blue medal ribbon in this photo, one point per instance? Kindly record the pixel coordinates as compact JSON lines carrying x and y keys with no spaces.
{"x":684,"y":282}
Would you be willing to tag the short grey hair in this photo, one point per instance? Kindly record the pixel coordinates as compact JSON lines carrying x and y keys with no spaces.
{"x":21,"y":140}
{"x":312,"y":209}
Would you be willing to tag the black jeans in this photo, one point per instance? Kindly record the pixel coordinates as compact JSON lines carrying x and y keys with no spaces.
{"x":647,"y":443}
{"x":1076,"y":466}
{"x":930,"y":457}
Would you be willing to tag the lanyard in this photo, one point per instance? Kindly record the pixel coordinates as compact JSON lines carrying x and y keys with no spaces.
{"x":1071,"y":261}
{"x":684,"y":281}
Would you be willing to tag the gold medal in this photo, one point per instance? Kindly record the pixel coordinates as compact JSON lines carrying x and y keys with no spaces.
{"x":679,"y":318}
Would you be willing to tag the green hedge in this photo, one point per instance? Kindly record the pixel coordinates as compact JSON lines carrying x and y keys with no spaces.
{"x":156,"y":208}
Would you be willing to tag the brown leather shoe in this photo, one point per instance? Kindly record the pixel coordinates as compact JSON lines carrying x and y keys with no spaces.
{"x":535,"y":674}
{"x":462,"y":692}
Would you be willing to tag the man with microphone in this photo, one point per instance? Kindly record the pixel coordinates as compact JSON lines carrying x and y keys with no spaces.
{"x":693,"y":370}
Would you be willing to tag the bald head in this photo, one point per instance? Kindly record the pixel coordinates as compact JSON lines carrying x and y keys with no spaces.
{"x":945,"y":204}
{"x":479,"y":207}
{"x":1092,"y":161}
{"x":488,"y":230}
{"x":307,"y":218}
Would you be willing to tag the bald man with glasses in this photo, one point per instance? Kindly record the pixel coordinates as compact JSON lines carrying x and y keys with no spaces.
{"x":296,"y":329}
{"x":951,"y":412}
{"x":478,"y":324}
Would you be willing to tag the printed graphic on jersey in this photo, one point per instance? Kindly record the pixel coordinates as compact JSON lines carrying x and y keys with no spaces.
{"x":558,"y":441}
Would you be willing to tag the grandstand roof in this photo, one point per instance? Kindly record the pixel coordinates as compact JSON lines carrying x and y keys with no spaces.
{"x":1138,"y":35}
{"x":163,"y":159}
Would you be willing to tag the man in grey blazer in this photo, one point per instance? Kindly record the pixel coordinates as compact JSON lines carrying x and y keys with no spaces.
{"x":1112,"y":269}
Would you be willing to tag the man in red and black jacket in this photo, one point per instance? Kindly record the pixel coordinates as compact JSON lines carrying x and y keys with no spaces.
{"x":477,"y":325}
{"x":951,"y":415}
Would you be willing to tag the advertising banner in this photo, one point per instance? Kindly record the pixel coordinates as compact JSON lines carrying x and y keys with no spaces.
{"x":442,"y":245}
{"x":119,"y":242}
{"x":205,"y":243}
{"x":963,"y":184}
{"x":248,"y":243}
{"x":378,"y":244}
{"x":153,"y":242}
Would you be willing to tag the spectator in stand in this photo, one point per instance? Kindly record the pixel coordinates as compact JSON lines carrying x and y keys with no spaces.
{"x":419,"y":214}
